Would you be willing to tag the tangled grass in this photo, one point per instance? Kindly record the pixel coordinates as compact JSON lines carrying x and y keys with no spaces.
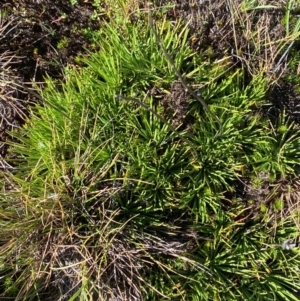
{"x":125,"y":187}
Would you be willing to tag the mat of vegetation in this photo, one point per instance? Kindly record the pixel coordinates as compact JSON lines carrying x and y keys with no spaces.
{"x":164,"y":166}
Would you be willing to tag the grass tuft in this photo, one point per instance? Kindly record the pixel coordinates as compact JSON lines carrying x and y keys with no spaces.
{"x":136,"y":197}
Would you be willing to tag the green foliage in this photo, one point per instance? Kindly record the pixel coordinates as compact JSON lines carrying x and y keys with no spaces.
{"x":280,"y":152}
{"x":62,"y":43}
{"x":263,"y":208}
{"x":238,"y":267}
{"x":111,"y":200}
{"x":278,"y":205}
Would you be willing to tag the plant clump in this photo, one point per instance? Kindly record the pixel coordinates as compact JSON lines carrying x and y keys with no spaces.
{"x":127,"y":186}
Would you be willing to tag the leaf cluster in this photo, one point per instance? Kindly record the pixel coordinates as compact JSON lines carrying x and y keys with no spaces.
{"x":110,"y":201}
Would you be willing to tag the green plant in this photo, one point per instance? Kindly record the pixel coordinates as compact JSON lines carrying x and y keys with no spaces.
{"x":263,"y":208}
{"x":62,"y":43}
{"x":111,"y":199}
{"x":280,"y":152}
{"x":278,"y":205}
{"x":92,"y":162}
{"x":239,"y":265}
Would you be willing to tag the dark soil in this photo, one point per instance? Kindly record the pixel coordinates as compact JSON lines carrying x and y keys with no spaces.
{"x":46,"y":34}
{"x":43,"y":37}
